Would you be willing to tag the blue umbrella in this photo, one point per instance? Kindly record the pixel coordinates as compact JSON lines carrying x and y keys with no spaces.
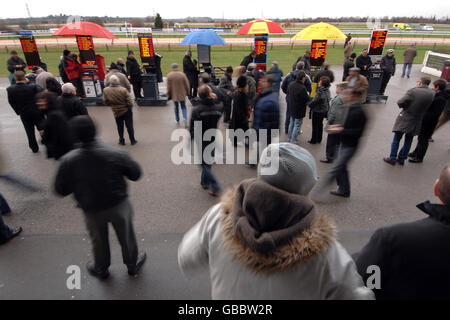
{"x":203,"y":37}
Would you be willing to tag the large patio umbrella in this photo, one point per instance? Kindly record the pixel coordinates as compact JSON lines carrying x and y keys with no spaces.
{"x":203,"y":37}
{"x":83,"y":28}
{"x":320,"y":31}
{"x":260,"y":27}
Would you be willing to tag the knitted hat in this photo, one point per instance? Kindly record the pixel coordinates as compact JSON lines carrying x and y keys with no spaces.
{"x":297,"y":172}
{"x":241,"y":82}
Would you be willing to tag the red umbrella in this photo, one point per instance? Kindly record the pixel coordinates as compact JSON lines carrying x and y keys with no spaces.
{"x":263,"y":26}
{"x":81,"y":28}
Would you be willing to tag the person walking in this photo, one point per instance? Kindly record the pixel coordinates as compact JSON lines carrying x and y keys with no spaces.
{"x":21,"y":97}
{"x":239,"y":114}
{"x":364,"y":62}
{"x":177,"y":90}
{"x":408,"y":59}
{"x":430,"y":120}
{"x":348,"y":48}
{"x":226,"y":85}
{"x":414,"y":104}
{"x":15,"y":63}
{"x":41,"y":78}
{"x":319,"y":108}
{"x":248,"y":59}
{"x":298,"y":100}
{"x":206,"y":114}
{"x":348,"y":64}
{"x":350,"y":133}
{"x":336,"y":115}
{"x":277,"y":74}
{"x":56,"y":133}
{"x":70,"y":103}
{"x":72,"y":69}
{"x":121,"y":103}
{"x":413,"y":256}
{"x":134,"y":72}
{"x":95,"y":174}
{"x":114,"y":70}
{"x":358,"y":82}
{"x":266,"y":240}
{"x":387,"y":65}
{"x":291,"y":77}
{"x":191,"y":72}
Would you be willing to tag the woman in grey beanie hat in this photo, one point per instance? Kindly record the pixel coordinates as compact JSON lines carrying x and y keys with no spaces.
{"x":265,"y":239}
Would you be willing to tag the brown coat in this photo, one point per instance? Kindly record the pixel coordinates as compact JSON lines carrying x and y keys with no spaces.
{"x":348,"y":49}
{"x":177,"y":86}
{"x":361,"y":85}
{"x":409,"y":55}
{"x":119,"y":99}
{"x":122,"y":79}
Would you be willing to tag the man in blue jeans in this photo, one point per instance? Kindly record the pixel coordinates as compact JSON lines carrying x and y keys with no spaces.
{"x":298,"y":99}
{"x":414,"y":104}
{"x":409,"y":56}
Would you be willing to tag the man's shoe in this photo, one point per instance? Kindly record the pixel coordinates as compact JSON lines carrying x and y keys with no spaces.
{"x":311,"y":142}
{"x":415,"y":160}
{"x":133,"y":142}
{"x":15,"y":232}
{"x":142,"y":257}
{"x":408,"y":77}
{"x":411,"y":155}
{"x":326,"y":160}
{"x":388,"y":160}
{"x":337,"y":193}
{"x":401,"y":161}
{"x":122,"y":142}
{"x":101,"y":274}
{"x":213,"y":193}
{"x":35,"y":150}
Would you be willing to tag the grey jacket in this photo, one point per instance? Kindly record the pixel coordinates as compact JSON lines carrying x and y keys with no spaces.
{"x":414,"y":104}
{"x":312,"y":266}
{"x":336,"y":112}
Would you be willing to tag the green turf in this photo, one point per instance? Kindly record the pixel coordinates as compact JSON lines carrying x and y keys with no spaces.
{"x":220,"y":56}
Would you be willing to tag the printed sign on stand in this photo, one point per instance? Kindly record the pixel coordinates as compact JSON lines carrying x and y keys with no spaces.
{"x":87,"y":52}
{"x":376,"y":46}
{"x":30,"y":51}
{"x":261,"y":49}
{"x":146,"y":49}
{"x":318,"y":52}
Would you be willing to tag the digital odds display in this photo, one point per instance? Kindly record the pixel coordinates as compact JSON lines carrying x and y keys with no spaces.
{"x":318,"y":52}
{"x":377,"y":42}
{"x":261,"y":49}
{"x":30,"y":51}
{"x":146,"y":48}
{"x":87,"y":52}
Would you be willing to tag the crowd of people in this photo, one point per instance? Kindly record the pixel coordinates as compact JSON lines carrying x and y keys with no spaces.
{"x":266,"y":238}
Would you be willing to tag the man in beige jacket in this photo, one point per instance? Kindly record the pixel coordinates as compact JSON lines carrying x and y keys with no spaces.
{"x":178,"y":90}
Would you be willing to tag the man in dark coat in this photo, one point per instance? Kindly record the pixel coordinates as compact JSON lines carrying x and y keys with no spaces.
{"x":21,"y":97}
{"x":348,"y":64}
{"x":248,"y":59}
{"x":69,"y":103}
{"x":430,"y":120}
{"x":363,"y":62}
{"x":387,"y":65}
{"x":278,"y":74}
{"x":95,"y":175}
{"x":414,"y":104}
{"x":412,"y":257}
{"x":409,"y":55}
{"x":226,"y":85}
{"x":191,"y":72}
{"x":206,"y":114}
{"x":306,"y":59}
{"x":14,"y":64}
{"x":298,"y":100}
{"x":134,"y":74}
{"x":239,"y":116}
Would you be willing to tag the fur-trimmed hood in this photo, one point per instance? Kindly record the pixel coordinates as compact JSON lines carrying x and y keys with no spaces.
{"x":316,"y":235}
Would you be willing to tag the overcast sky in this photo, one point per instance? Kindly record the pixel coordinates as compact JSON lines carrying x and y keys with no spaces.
{"x":230,"y":9}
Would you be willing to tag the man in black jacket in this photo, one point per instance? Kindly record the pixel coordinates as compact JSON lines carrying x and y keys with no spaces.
{"x":388,"y":66}
{"x":298,"y":100}
{"x":363,"y":62}
{"x":134,"y":74}
{"x":348,"y":64}
{"x":70,"y":103}
{"x":412,"y":257}
{"x":14,"y":64}
{"x":21,"y":97}
{"x":349,"y":133}
{"x":430,"y":120}
{"x":191,"y":72}
{"x":206,"y":115}
{"x":95,"y":175}
{"x":248,"y":59}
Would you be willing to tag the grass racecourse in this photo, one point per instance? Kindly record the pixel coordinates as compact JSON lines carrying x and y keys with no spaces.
{"x":220,"y":56}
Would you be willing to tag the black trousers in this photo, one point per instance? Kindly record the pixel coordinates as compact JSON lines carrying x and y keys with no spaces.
{"x":31,"y":120}
{"x":333,"y":142}
{"x":426,"y":133}
{"x":78,"y":84}
{"x":317,"y":127}
{"x":121,"y":218}
{"x":126,"y":120}
{"x":227,"y":109}
{"x":137,"y":87}
{"x":384,"y":81}
{"x":193,"y":90}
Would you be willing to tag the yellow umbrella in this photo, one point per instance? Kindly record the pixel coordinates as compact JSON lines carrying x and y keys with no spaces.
{"x":320,"y":31}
